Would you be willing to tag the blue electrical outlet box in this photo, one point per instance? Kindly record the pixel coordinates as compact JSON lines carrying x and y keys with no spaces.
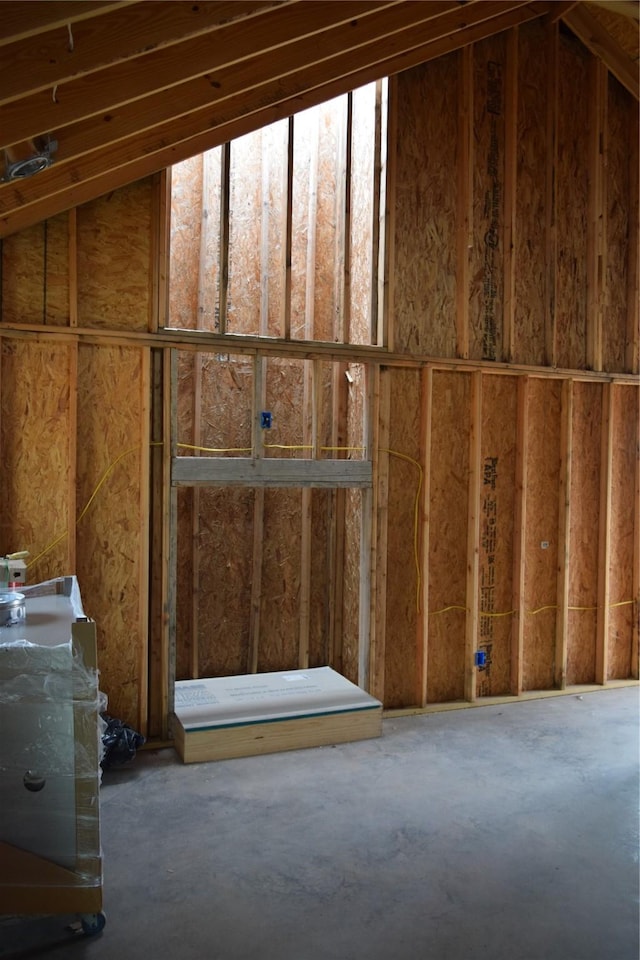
{"x":480,"y":658}
{"x":265,"y":420}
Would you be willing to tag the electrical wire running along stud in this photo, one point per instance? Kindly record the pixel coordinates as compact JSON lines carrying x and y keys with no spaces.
{"x":265,"y":419}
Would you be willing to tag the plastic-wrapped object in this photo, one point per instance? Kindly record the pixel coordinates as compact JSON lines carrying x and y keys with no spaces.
{"x":120,"y":742}
{"x":50,"y":737}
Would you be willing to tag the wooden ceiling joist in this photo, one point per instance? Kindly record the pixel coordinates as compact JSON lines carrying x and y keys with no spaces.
{"x":133,"y":87}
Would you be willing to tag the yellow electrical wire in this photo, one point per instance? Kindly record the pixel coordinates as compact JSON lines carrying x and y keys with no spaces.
{"x":416,"y":515}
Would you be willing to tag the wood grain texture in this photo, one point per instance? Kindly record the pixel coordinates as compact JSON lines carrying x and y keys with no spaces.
{"x":497,"y":509}
{"x":572,"y":204}
{"x":541,"y":548}
{"x":402,"y":586}
{"x":625,"y":427}
{"x":109,"y":548}
{"x":448,"y":535}
{"x":35,"y":276}
{"x":424,"y":310}
{"x":486,"y":295}
{"x":114,"y":259}
{"x":618,"y":221}
{"x":584,"y":506}
{"x":186,"y":227}
{"x":36,"y":419}
{"x":532,"y":156}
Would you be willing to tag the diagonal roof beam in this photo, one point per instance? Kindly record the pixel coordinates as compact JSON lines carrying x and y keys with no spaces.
{"x":100,"y":172}
{"x":602,"y":44}
{"x":20,"y":19}
{"x":29,"y":65}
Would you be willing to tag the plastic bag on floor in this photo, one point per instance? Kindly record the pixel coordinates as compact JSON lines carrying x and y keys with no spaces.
{"x":120,"y":742}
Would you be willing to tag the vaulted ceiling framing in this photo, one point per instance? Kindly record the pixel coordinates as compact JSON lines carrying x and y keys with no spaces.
{"x":123,"y":89}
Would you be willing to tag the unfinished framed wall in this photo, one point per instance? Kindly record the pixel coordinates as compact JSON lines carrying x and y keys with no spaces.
{"x":469,"y":374}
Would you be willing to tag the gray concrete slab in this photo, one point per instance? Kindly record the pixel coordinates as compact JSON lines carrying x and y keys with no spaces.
{"x":504,"y":832}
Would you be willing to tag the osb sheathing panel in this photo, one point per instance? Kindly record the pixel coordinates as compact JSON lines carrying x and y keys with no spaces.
{"x":184,"y":584}
{"x":424,"y":308}
{"x":280,"y":607}
{"x":448,"y":499}
{"x":351,"y":585}
{"x":572,"y":194}
{"x":35,"y":275}
{"x":303,"y":219}
{"x":109,"y":547}
{"x":274,"y":155}
{"x":361,"y":213}
{"x":320,"y":577}
{"x":532,"y":158}
{"x":114,"y":259}
{"x":625,"y":428}
{"x":225,"y":545}
{"x":487,"y":255}
{"x":184,"y":522}
{"x":617,"y":192}
{"x":402,"y":589}
{"x":245,"y":204}
{"x":620,"y":27}
{"x":326,"y":266}
{"x":497,"y":498}
{"x":225,"y":413}
{"x":35,"y":427}
{"x":541,"y":533}
{"x":584,"y":500}
{"x":186,"y":222}
{"x":284,"y":399}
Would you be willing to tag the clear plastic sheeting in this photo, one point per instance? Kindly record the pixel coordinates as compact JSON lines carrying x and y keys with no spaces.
{"x":51,"y":738}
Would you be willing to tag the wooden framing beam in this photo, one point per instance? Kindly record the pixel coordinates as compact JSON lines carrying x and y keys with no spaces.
{"x":269,"y":472}
{"x":246,"y":345}
{"x":594,"y":36}
{"x":158,"y":560}
{"x":144,"y":510}
{"x":167,"y":666}
{"x":160,"y":251}
{"x":519,"y":538}
{"x":112,"y":164}
{"x":259,"y":403}
{"x":604,"y":536}
{"x":288,"y":232}
{"x":596,"y":228}
{"x":376,"y":224}
{"x":422,"y":666}
{"x":464,"y":211}
{"x":564,"y":524}
{"x":635,"y":637}
{"x":20,"y":20}
{"x":633,"y":267}
{"x":225,"y":195}
{"x":551,"y":227}
{"x":72,"y":457}
{"x":131,"y":30}
{"x":382,"y":406}
{"x":472,"y":620}
{"x":510,"y":192}
{"x":293,"y":30}
{"x":366,"y":537}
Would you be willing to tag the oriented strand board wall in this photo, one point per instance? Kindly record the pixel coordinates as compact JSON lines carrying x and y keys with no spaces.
{"x":424,"y":307}
{"x":497,"y":502}
{"x":35,"y":276}
{"x":572,"y":190}
{"x":114,"y":259}
{"x":402,"y":587}
{"x":531,"y":295}
{"x":541,"y":533}
{"x":449,"y":495}
{"x":625,"y":427}
{"x":583,"y":531}
{"x":487,"y":255}
{"x":37,"y":418}
{"x":617,"y":191}
{"x":111,"y":544}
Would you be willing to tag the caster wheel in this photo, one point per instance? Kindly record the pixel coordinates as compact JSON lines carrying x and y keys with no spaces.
{"x":92,"y":923}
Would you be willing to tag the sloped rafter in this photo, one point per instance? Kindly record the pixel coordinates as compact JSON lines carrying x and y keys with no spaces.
{"x":141,"y":138}
{"x":127,"y":88}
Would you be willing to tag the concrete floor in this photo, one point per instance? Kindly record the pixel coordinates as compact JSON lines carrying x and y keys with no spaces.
{"x":507,"y":832}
